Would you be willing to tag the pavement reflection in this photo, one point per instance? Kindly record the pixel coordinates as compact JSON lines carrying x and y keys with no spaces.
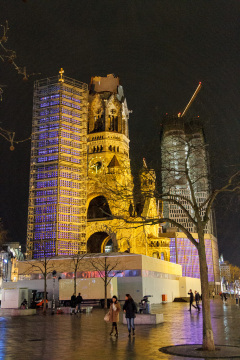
{"x":86,"y":336}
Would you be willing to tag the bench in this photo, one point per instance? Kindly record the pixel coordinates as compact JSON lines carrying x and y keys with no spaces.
{"x":91,"y":302}
{"x":144,"y":319}
{"x":69,"y":310}
{"x":85,"y":302}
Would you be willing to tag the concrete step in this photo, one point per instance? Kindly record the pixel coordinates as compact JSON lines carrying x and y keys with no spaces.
{"x":142,"y":319}
{"x":17,"y":312}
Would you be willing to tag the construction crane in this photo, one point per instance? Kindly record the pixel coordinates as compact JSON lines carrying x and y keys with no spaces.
{"x":191,"y":100}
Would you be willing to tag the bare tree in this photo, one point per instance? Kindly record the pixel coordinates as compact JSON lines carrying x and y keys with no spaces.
{"x":9,"y":56}
{"x":105,"y":269}
{"x":76,"y":262}
{"x":186,"y":186}
{"x":44,"y":265}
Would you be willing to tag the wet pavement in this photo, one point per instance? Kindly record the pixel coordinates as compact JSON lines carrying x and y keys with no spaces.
{"x":86,"y":336}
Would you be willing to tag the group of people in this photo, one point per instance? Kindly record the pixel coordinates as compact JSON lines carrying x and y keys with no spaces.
{"x":76,"y":303}
{"x":129,"y":309}
{"x":196,"y":297}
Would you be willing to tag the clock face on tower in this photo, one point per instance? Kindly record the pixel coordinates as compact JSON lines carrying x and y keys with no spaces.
{"x":96,"y":165}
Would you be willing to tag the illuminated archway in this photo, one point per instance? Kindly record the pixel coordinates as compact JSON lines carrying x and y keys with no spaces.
{"x":98,"y":208}
{"x":99,"y":242}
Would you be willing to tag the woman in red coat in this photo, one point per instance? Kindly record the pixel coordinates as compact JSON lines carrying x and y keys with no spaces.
{"x":114,"y":314}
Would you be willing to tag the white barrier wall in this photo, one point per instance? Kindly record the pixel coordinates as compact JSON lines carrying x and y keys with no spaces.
{"x":187,"y":283}
{"x":157,"y":287}
{"x":137,"y":287}
{"x":154,"y":277}
{"x":130,"y":285}
{"x":12,"y":298}
{"x":35,"y":285}
{"x":92,"y":288}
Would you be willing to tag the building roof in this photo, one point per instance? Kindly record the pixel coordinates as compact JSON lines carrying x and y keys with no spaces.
{"x":108,"y":83}
{"x":114,"y":162}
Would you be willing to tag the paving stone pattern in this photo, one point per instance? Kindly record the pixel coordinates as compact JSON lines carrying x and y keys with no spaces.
{"x":86,"y":336}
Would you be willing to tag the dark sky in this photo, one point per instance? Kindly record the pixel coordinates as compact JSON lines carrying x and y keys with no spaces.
{"x":161,"y":50}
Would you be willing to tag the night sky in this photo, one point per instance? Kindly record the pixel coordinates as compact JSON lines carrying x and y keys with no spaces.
{"x":161,"y":50}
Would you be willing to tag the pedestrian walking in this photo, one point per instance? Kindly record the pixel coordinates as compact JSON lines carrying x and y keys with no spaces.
{"x":237,"y":299}
{"x":79,"y":300}
{"x":114,"y":314}
{"x":213,"y":294}
{"x":73,"y":304}
{"x":197,"y":299}
{"x":130,"y":310}
{"x":191,"y":299}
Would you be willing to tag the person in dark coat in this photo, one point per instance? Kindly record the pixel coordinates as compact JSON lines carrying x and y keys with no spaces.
{"x":197,"y":299}
{"x":130,"y":310}
{"x":73,"y":303}
{"x":191,"y":299}
{"x":79,"y":300}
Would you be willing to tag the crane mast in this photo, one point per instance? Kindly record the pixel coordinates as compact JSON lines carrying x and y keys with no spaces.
{"x":191,"y":100}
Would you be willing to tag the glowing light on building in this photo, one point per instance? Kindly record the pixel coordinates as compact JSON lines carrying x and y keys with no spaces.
{"x":57,"y":195}
{"x":183,"y":252}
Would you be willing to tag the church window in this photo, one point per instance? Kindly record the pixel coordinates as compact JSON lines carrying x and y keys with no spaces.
{"x":98,"y":120}
{"x":110,"y":148}
{"x":113,"y":120}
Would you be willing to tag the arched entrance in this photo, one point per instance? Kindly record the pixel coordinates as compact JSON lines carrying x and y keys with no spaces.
{"x":98,"y":208}
{"x":99,"y":242}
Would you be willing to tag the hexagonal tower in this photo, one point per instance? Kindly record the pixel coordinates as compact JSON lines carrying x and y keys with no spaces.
{"x":108,"y":136}
{"x":108,"y":151}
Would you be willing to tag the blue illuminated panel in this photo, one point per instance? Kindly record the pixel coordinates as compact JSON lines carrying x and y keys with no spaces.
{"x":172,"y":246}
{"x":187,"y":257}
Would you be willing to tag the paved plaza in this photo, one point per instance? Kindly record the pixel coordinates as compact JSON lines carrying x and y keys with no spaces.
{"x":86,"y":336}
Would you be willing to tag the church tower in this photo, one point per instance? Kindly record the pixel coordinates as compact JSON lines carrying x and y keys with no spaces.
{"x":108,"y":137}
{"x":108,"y":154}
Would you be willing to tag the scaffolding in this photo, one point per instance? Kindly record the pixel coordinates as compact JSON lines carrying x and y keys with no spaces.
{"x":181,"y":144}
{"x":58,"y":169}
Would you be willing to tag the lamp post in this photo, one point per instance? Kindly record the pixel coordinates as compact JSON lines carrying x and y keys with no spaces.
{"x":53,"y":298}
